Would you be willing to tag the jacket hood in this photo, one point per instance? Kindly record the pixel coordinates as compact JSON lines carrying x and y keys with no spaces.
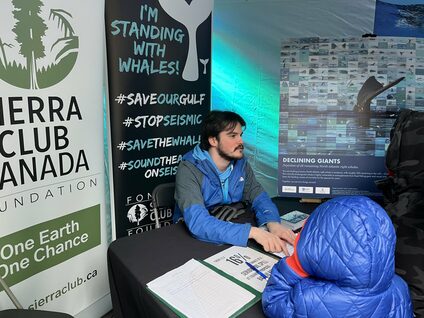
{"x":351,"y":241}
{"x":201,"y":162}
{"x":199,"y":154}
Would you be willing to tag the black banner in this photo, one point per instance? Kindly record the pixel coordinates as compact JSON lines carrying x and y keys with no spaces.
{"x":159,"y":68}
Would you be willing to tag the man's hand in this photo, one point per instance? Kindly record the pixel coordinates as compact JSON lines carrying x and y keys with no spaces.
{"x":283,"y":233}
{"x":269,"y":241}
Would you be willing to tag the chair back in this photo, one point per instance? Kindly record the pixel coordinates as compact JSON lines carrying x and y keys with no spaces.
{"x":163,"y":197}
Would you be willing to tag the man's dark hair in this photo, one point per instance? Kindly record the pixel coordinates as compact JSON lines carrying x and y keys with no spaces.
{"x":217,"y":121}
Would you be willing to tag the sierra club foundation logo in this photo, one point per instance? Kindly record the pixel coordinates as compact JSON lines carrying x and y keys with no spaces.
{"x":41,"y":48}
{"x":137,"y":213}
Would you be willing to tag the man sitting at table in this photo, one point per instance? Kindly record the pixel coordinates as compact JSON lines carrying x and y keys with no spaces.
{"x":216,"y":173}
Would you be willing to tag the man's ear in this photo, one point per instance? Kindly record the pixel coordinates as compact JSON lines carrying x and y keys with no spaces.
{"x":213,"y":141}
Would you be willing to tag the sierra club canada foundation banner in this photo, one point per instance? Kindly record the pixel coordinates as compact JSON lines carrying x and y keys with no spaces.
{"x":52,"y":203}
{"x":159,"y":66}
{"x":331,"y":143}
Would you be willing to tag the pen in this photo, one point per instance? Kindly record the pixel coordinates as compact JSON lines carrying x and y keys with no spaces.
{"x":256,"y":270}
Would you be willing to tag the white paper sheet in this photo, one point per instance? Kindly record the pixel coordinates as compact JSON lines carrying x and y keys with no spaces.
{"x":233,"y":262}
{"x":290,"y":249}
{"x":197,"y":291}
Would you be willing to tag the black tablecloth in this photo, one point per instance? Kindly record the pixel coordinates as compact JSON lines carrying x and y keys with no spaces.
{"x":136,"y":260}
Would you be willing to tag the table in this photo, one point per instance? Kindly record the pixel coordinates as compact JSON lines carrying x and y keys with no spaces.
{"x":136,"y":260}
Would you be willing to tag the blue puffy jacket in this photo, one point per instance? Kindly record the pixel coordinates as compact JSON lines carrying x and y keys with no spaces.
{"x":343,"y":266}
{"x":198,"y":190}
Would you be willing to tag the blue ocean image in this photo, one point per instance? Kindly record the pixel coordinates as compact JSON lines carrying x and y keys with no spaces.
{"x":399,"y":18}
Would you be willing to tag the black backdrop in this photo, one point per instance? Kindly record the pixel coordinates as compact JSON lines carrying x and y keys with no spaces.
{"x":155,"y":114}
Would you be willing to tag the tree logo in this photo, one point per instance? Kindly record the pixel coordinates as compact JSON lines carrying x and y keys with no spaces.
{"x":137,"y":213}
{"x":44,"y":51}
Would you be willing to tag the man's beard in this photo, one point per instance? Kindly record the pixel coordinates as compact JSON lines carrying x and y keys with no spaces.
{"x":229,"y":157}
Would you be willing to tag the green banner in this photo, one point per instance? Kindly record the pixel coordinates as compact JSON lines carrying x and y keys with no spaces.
{"x":39,"y":247}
